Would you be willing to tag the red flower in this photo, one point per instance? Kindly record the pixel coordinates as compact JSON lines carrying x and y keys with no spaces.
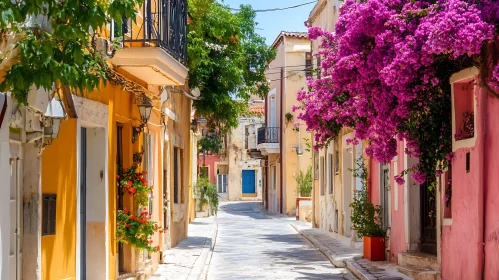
{"x":157,"y":248}
{"x":149,"y":241}
{"x":132,"y":217}
{"x":144,"y":172}
{"x":127,"y":226}
{"x":130,"y":183}
{"x":117,"y":176}
{"x":125,"y":211}
{"x":133,"y":190}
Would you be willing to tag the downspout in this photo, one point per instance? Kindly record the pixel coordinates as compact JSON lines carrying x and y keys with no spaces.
{"x":267,"y":169}
{"x":281,"y":130}
{"x":483,"y":190}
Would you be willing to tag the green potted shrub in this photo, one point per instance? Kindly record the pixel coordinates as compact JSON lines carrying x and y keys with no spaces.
{"x":366,"y":218}
{"x":206,"y":197}
{"x":304,"y":182}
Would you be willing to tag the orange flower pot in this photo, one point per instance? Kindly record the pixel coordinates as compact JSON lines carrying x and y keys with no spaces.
{"x":374,"y":248}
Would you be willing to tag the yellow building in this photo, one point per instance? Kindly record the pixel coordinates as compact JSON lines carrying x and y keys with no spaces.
{"x":79,"y":191}
{"x":283,"y":141}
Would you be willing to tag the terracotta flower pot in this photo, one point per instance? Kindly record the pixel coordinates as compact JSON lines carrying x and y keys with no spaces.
{"x":374,"y":248}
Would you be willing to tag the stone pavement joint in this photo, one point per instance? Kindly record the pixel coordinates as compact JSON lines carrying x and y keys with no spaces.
{"x":338,"y":251}
{"x":254,"y":244}
{"x":188,"y":259}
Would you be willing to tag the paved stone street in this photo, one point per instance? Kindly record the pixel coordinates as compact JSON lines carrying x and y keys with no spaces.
{"x":252,"y":244}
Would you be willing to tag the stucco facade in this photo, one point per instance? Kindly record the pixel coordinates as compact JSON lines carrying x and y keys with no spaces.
{"x":287,"y":74}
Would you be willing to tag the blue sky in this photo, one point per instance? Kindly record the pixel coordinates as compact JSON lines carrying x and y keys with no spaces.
{"x":271,"y":23}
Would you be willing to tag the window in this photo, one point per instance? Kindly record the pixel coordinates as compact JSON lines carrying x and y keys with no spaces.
{"x":48,"y":214}
{"x":448,"y":193}
{"x":308,"y":64}
{"x":318,"y":61}
{"x":316,"y":165}
{"x":323,"y":177}
{"x":203,"y":171}
{"x":330,"y":172}
{"x":336,"y":157}
{"x":177,"y":179}
{"x":246,"y":136}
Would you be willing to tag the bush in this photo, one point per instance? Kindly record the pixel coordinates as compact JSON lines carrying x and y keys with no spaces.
{"x":366,"y":217}
{"x":206,"y":193}
{"x":304,"y":182}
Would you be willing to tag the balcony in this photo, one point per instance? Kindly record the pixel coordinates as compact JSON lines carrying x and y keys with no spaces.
{"x":155,"y":46}
{"x":268,"y":140}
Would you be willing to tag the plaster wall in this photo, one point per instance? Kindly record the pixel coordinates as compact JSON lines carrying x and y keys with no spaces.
{"x":5,"y":216}
{"x":295,"y":81}
{"x":209,"y":161}
{"x":474,"y":222}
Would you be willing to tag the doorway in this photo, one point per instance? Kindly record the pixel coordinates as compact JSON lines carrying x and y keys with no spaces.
{"x":15,"y":256}
{"x":347,"y":182}
{"x":248,"y":184}
{"x":428,"y":220}
{"x":92,"y":204}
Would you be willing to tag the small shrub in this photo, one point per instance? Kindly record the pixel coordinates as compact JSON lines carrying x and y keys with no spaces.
{"x":304,"y":182}
{"x":206,"y":193}
{"x":366,"y":217}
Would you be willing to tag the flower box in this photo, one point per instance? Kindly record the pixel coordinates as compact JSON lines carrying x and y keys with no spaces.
{"x":374,"y":248}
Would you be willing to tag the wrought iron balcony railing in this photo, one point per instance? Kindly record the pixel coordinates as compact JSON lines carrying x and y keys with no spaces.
{"x":159,"y":23}
{"x":268,"y":135}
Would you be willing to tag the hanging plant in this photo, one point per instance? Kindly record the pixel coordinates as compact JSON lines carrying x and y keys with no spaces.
{"x":468,"y":127}
{"x":136,"y":230}
{"x":134,"y":183}
{"x":289,"y":117}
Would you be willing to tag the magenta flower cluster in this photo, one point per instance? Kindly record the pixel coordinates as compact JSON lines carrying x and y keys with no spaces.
{"x":379,"y":73}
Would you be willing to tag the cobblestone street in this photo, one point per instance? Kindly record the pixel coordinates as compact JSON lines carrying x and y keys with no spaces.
{"x":253,"y":244}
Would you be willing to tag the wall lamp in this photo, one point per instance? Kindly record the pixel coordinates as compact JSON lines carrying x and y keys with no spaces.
{"x":298,"y":150}
{"x":145,"y":107}
{"x":194,"y":125}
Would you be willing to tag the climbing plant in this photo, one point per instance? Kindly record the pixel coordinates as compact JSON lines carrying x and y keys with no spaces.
{"x":385,"y":72}
{"x":60,"y":52}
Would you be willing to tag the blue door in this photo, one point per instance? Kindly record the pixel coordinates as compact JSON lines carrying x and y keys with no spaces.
{"x":249,"y":181}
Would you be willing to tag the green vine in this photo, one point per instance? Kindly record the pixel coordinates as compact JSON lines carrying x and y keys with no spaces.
{"x":60,"y":54}
{"x":206,"y":193}
{"x":366,"y":217}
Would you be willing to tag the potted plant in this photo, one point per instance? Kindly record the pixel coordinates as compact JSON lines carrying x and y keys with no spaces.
{"x":206,"y":198}
{"x":366,"y":218}
{"x":304,"y":182}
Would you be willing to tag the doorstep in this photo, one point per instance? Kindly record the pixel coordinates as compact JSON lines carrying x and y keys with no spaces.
{"x":340,"y":252}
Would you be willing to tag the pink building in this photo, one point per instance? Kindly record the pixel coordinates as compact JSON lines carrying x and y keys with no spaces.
{"x":457,"y":233}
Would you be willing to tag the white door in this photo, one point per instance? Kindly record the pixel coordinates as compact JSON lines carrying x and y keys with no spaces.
{"x":222,"y":184}
{"x":15,"y":220}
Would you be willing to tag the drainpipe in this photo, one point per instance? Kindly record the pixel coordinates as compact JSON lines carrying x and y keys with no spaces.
{"x":281,"y":130}
{"x":482,"y":188}
{"x":267,"y":169}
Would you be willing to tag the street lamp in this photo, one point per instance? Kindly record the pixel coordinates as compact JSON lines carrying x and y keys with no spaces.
{"x":145,"y":108}
{"x":194,"y":125}
{"x":54,"y":115}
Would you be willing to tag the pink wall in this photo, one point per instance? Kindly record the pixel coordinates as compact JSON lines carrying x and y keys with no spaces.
{"x":209,"y":160}
{"x":397,"y":230}
{"x":373,"y":184}
{"x":462,"y":255}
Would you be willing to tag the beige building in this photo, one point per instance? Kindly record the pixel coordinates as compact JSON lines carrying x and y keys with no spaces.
{"x":283,"y":140}
{"x":334,"y":183}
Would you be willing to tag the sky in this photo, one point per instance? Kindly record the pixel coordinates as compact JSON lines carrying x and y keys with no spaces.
{"x":270,"y":24}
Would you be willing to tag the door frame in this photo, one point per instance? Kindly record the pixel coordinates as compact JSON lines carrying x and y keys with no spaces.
{"x":254,"y":182}
{"x":85,"y":122}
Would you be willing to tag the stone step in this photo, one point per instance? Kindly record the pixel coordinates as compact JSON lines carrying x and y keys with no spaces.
{"x":418,"y":259}
{"x":418,"y":273}
{"x":127,"y":276}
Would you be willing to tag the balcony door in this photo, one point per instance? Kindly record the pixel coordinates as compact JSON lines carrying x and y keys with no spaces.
{"x":273,"y":109}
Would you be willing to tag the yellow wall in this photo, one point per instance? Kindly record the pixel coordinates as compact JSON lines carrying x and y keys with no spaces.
{"x":59,"y":177}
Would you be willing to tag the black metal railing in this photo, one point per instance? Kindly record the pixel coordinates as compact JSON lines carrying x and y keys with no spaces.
{"x":162,"y":23}
{"x":268,"y":135}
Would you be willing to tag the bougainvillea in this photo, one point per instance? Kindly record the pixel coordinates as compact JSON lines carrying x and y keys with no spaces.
{"x":136,"y":230}
{"x":385,"y":72}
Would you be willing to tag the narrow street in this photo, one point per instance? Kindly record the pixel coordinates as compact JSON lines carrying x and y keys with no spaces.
{"x":254,"y":244}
